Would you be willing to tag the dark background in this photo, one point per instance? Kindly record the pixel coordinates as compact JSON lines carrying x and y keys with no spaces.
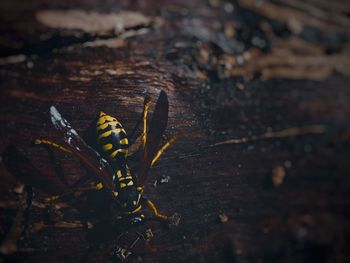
{"x":273,"y":75}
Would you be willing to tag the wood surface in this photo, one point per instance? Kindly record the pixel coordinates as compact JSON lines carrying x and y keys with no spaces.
{"x":259,"y":90}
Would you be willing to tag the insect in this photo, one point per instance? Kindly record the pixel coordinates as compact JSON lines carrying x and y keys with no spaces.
{"x":109,"y":162}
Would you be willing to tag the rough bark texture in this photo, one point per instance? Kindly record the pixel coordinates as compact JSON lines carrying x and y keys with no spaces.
{"x":267,"y":80}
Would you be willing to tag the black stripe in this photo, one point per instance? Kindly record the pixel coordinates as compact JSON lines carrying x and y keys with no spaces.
{"x":108,"y":128}
{"x":114,"y":141}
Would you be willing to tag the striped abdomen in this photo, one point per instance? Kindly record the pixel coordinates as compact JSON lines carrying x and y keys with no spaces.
{"x":112,"y":138}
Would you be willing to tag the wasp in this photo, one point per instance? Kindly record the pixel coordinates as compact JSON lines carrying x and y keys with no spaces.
{"x":109,"y":161}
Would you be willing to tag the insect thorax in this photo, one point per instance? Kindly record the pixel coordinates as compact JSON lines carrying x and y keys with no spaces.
{"x":127,"y":193}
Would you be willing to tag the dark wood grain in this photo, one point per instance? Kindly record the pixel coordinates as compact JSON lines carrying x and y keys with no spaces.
{"x":231,"y":71}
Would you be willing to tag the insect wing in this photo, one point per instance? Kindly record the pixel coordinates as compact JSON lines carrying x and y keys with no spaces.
{"x":92,"y":159}
{"x":155,"y":133}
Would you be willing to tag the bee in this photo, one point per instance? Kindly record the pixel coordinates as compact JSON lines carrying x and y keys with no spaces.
{"x":109,"y":162}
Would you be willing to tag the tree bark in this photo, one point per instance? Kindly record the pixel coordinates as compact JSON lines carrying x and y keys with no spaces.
{"x":259,"y":93}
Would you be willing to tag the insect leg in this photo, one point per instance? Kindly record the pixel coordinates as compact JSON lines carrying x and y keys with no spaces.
{"x":78,"y":189}
{"x":146,"y":101}
{"x":155,"y":211}
{"x":161,"y":150}
{"x":74,"y":191}
{"x":140,"y":141}
{"x":144,"y":119}
{"x":51,"y":143}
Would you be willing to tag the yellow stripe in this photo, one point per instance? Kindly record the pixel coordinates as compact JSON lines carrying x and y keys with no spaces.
{"x":107,"y":147}
{"x":104,"y":126}
{"x":122,"y":185}
{"x":107,"y":133}
{"x":124,"y":178}
{"x":144,"y":118}
{"x":119,"y":174}
{"x":136,"y":210}
{"x":124,"y":141}
{"x":113,"y":154}
{"x":105,"y":118}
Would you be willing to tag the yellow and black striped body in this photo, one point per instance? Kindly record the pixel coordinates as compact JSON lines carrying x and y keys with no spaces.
{"x":128,"y":194}
{"x":113,"y":142}
{"x":112,"y":139}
